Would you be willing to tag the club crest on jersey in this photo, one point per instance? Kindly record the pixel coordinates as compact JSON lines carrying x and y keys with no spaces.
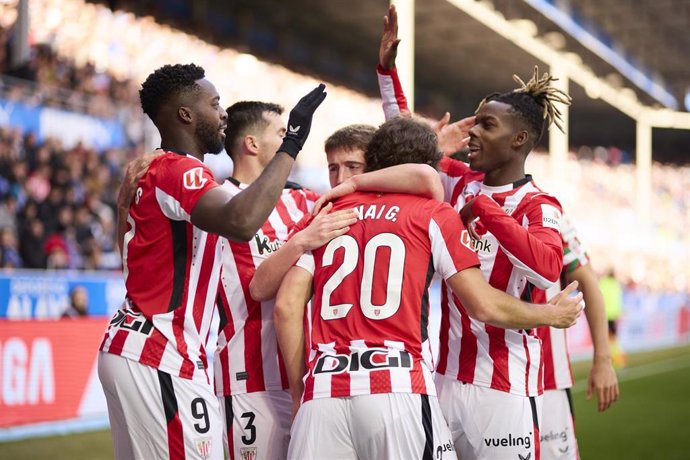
{"x":194,"y":179}
{"x":203,"y":446}
{"x":248,"y":453}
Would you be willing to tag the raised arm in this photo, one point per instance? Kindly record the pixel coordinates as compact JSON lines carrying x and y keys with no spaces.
{"x":491,"y":306}
{"x":415,"y":179}
{"x":239,"y":217}
{"x":323,"y":228}
{"x":288,"y":317}
{"x":602,"y":377}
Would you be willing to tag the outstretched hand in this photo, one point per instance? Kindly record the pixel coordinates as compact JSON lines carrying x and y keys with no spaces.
{"x":388,"y":49}
{"x":568,"y":307}
{"x":455,"y":136}
{"x":299,"y":122}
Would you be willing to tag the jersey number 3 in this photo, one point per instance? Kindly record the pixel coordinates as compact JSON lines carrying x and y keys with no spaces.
{"x":396,"y":266}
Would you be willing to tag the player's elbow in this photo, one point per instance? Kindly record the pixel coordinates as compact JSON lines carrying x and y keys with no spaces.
{"x":240,"y":229}
{"x":482,"y":310}
{"x":257,"y":291}
{"x":284,"y":311}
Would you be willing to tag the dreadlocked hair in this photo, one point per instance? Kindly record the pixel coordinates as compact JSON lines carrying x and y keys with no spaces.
{"x":166,"y":82}
{"x":534,"y":101}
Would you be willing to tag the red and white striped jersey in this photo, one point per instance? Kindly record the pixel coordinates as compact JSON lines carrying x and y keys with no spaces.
{"x":557,"y":372}
{"x":521,"y":253}
{"x":171,"y":270}
{"x":370,"y":309}
{"x":247,"y":357}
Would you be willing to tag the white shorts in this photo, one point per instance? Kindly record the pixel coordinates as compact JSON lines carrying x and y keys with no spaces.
{"x":155,"y":415}
{"x":558,"y":427}
{"x":257,"y":425}
{"x":381,"y":426}
{"x":490,"y":424}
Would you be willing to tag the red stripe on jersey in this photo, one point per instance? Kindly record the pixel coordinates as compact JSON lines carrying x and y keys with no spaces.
{"x":340,"y":383}
{"x":500,"y":377}
{"x":284,"y":214}
{"x":444,"y":331}
{"x":547,"y":352}
{"x":118,"y":342}
{"x":417,"y":378}
{"x":207,"y":266}
{"x":308,"y":393}
{"x":175,"y":438}
{"x":540,"y":381}
{"x":153,"y":350}
{"x":380,"y":381}
{"x":468,"y":344}
{"x":252,"y":327}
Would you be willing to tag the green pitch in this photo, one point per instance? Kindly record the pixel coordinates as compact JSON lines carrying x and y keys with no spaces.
{"x":649,"y":422}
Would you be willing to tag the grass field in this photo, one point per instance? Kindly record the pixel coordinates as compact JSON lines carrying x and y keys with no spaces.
{"x":651,"y":420}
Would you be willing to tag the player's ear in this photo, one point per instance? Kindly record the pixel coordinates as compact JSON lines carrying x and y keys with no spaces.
{"x":251,"y":144}
{"x":185,"y":114}
{"x":520,"y":139}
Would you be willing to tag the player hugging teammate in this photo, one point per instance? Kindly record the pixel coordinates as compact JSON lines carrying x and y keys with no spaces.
{"x":339,"y":365}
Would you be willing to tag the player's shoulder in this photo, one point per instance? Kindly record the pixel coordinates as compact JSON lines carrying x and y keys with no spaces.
{"x":299,"y":189}
{"x":536,"y":196}
{"x":171,"y":167}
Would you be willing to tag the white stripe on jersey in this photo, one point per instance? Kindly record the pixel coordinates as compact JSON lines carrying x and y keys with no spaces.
{"x":171,"y":208}
{"x":359,"y":386}
{"x":444,"y":264}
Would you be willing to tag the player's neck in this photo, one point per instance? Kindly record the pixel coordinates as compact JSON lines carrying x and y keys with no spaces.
{"x":504,"y":176}
{"x":246,"y":169}
{"x":182,"y":144}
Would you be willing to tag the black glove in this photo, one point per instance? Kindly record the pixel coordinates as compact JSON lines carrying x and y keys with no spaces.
{"x":299,"y":122}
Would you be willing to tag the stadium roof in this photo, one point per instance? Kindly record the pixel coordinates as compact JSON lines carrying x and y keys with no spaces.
{"x":640,"y":44}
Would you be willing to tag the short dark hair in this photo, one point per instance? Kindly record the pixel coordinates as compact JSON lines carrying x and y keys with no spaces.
{"x":402,"y":140}
{"x":534,"y":103}
{"x":245,"y":116}
{"x":350,"y":137}
{"x":166,"y":82}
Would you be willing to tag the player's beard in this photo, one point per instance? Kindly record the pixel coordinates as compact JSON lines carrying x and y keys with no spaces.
{"x":210,"y":137}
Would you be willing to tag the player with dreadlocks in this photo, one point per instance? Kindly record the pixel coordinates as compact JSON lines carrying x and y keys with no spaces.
{"x":483,"y":370}
{"x":152,"y":364}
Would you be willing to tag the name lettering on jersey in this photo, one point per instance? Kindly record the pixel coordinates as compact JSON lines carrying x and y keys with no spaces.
{"x":550,"y":217}
{"x":377,"y":212}
{"x":510,"y":441}
{"x":371,"y":359}
{"x":475,"y":245}
{"x":134,"y":321}
{"x":194,"y":179}
{"x":266,"y":245}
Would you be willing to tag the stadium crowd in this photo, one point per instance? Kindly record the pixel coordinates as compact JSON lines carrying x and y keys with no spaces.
{"x":41,"y":183}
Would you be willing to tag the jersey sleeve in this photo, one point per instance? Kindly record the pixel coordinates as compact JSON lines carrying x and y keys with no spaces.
{"x":451,"y":172}
{"x":306,"y":261}
{"x":180,"y":184}
{"x":448,"y":254}
{"x":574,"y":252}
{"x":535,"y":251}
{"x":394,"y":100}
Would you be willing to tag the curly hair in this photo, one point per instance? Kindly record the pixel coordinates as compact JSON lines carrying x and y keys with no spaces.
{"x":402,"y":140}
{"x":167,"y":82}
{"x":245,"y":116}
{"x":534,"y":102}
{"x":350,"y":137}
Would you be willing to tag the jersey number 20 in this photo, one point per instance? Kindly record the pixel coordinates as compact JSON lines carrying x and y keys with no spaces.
{"x":396,"y":266}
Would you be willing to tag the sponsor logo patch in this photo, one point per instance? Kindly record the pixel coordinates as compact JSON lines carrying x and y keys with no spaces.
{"x":550,"y":217}
{"x":194,"y":179}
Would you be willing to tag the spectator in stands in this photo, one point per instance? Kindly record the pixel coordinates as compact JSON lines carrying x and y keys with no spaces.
{"x":612,"y":291}
{"x":78,"y":303}
{"x":9,"y":252}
